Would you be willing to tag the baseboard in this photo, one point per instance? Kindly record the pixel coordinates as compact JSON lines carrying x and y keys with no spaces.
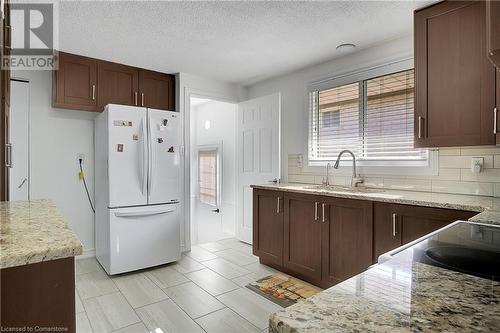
{"x":88,"y":253}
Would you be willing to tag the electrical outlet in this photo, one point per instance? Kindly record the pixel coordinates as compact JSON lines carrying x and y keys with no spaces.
{"x":477,"y":164}
{"x":80,"y":156}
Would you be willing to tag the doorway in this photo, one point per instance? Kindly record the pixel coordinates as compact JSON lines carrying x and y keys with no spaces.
{"x":18,"y":162}
{"x":213,"y":169}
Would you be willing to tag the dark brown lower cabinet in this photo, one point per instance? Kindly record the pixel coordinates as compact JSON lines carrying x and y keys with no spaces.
{"x":395,"y":225}
{"x":347,"y":238}
{"x":39,"y":295}
{"x":302,"y":239}
{"x":268,"y":226}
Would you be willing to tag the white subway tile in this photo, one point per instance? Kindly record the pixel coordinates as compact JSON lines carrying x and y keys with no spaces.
{"x":462,"y":187}
{"x":497,"y":190}
{"x":497,"y":162}
{"x":473,"y":151}
{"x":463,"y":162}
{"x":407,"y":184}
{"x":487,"y":175}
{"x":449,"y":151}
{"x":294,"y":170}
{"x":308,"y":179}
{"x":444,"y":174}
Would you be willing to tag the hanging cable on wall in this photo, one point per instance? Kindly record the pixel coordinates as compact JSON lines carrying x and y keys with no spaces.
{"x":82,"y":177}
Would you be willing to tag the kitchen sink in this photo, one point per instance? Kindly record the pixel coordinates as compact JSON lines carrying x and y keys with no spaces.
{"x":338,"y":188}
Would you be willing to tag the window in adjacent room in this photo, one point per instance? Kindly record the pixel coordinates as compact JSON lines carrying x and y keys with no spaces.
{"x":208,"y":176}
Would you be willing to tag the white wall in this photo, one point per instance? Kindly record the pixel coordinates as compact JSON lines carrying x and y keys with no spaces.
{"x":57,"y":136}
{"x":222,"y":117}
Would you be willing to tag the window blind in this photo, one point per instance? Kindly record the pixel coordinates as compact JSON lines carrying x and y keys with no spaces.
{"x":372,"y":118}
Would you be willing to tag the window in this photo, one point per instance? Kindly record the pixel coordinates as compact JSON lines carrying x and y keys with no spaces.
{"x":373,"y":118}
{"x":208,"y":176}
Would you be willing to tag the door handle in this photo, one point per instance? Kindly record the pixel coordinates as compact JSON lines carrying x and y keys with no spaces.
{"x":8,"y":155}
{"x":420,"y":127}
{"x":136,"y":98}
{"x":323,"y":218}
{"x":316,"y":211}
{"x":142,"y":213}
{"x":495,"y":120}
{"x":216,"y":210}
{"x":22,"y":183}
{"x":93,"y":92}
{"x":278,"y":205}
{"x":275,"y":181}
{"x":142,"y":99}
{"x":394,"y":231}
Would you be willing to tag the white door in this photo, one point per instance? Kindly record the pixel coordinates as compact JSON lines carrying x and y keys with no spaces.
{"x":19,"y":139}
{"x":258,"y":138}
{"x":164,"y":181}
{"x":127,"y":156}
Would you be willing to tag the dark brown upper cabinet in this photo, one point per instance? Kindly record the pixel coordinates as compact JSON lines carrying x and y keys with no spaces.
{"x":118,"y":84}
{"x":496,"y":123}
{"x":157,"y":90}
{"x":493,"y":31}
{"x":75,"y":83}
{"x":88,"y":84}
{"x":268,"y":226}
{"x":454,"y":79}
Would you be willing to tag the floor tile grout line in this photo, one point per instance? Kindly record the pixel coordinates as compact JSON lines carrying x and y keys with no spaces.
{"x":236,"y":313}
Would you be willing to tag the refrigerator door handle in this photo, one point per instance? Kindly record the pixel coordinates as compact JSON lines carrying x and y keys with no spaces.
{"x":144,"y":161}
{"x":144,"y":213}
{"x":152,"y":155}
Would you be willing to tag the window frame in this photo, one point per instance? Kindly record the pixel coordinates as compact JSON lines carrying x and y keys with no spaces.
{"x":379,"y":167}
{"x":218,"y":149}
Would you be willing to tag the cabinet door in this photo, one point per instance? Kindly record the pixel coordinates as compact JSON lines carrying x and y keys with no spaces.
{"x":302,"y":247}
{"x":268,"y":226}
{"x":157,"y":90}
{"x":497,"y":109}
{"x":117,"y":84}
{"x":387,"y":229}
{"x":493,"y":31}
{"x":416,"y":222}
{"x":347,"y":238}
{"x":75,"y":83}
{"x":454,"y":80}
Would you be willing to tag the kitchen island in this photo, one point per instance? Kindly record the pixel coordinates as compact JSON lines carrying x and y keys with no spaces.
{"x":37,"y":271}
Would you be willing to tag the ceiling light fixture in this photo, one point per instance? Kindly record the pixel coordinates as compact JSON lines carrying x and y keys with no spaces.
{"x":346,"y":47}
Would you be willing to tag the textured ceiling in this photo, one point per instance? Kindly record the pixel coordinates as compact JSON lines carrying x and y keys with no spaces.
{"x":240,"y":42}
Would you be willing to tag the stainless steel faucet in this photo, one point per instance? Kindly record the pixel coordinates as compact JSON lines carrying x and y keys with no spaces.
{"x":355,"y":180}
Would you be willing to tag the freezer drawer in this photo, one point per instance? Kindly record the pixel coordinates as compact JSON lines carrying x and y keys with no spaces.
{"x":142,"y":237}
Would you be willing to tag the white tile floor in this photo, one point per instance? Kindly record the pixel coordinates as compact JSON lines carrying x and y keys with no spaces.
{"x":203,"y":292}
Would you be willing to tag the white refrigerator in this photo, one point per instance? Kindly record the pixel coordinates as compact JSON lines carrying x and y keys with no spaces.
{"x":138,"y":188}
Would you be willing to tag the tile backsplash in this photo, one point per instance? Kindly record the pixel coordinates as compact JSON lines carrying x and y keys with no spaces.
{"x":454,"y":175}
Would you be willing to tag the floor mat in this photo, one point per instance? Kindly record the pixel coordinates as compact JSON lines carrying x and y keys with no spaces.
{"x":283,"y":290}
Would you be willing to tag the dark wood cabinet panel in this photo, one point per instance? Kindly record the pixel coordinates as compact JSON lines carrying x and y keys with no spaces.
{"x":396,"y":225}
{"x":493,"y":31}
{"x":454,"y":80}
{"x":118,"y":84}
{"x":268,"y":226}
{"x":157,"y":90}
{"x":75,"y":82}
{"x":347,"y":236}
{"x":497,"y":108}
{"x":40,"y":294}
{"x":302,"y":240}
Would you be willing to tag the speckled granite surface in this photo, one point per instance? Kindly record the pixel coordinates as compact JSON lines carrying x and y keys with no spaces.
{"x":398,"y":296}
{"x":34,"y":231}
{"x":491,"y":205}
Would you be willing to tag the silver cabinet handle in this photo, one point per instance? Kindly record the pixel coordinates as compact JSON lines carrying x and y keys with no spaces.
{"x":394,"y":231}
{"x":93,"y":92}
{"x":420,"y":127}
{"x":8,"y":155}
{"x":323,"y":218}
{"x":22,"y":183}
{"x":316,"y":211}
{"x":495,"y":120}
{"x":278,"y":205}
{"x":136,"y":98}
{"x":142,"y":99}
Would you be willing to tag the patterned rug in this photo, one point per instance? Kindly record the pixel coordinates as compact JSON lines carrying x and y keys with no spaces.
{"x":283,"y":290}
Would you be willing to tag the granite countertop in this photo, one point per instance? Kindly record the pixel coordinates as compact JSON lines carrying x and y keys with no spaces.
{"x":34,"y":231}
{"x":488,"y":207}
{"x":399,"y":295}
